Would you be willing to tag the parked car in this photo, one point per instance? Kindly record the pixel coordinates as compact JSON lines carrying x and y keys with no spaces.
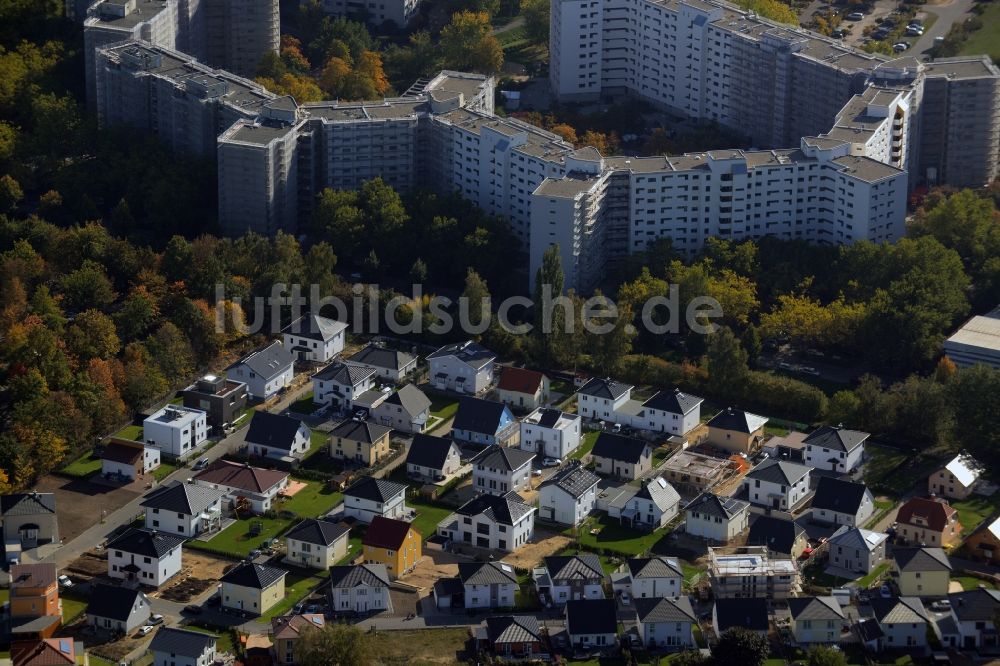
{"x":143,"y":631}
{"x":880,"y":34}
{"x":626,"y":599}
{"x":914,"y":31}
{"x":536,"y":472}
{"x":900,"y":47}
{"x":156,"y":619}
{"x":855,"y":16}
{"x":65,"y":581}
{"x":884,"y":592}
{"x":941,"y":605}
{"x":551,"y":462}
{"x":201,"y":464}
{"x":193,"y":609}
{"x":838,"y":34}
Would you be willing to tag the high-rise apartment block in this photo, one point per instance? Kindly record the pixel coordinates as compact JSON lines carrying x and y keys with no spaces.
{"x":395,"y":13}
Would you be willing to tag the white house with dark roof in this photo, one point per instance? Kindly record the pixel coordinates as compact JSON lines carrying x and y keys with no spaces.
{"x":387,"y":363}
{"x":316,"y":543}
{"x":655,"y":505}
{"x":117,"y":609}
{"x":177,"y":431}
{"x":128,"y":460}
{"x":491,"y":521}
{"x":835,"y":448}
{"x":592,"y":623}
{"x":488,"y":584}
{"x":666,"y":622}
{"x":622,"y":457}
{"x":655,"y":577}
{"x":29,"y":519}
{"x":718,"y":519}
{"x":816,"y":620}
{"x":551,"y":433}
{"x":957,"y":479}
{"x":972,"y":620}
{"x":432,"y":458}
{"x":314,"y":339}
{"x":777,"y":484}
{"x":265,"y":371}
{"x":173,"y":646}
{"x":673,"y":412}
{"x":498,"y":470}
{"x":185,"y":509}
{"x":239,"y":481}
{"x":484,"y":423}
{"x":277,"y":436}
{"x":902,"y":621}
{"x":564,"y":578}
{"x":339,"y":384}
{"x":406,"y":410}
{"x":370,"y":497}
{"x":856,"y":549}
{"x":842,"y":502}
{"x":599,"y":398}
{"x":359,"y":588}
{"x":569,"y":495}
{"x":251,"y":587}
{"x":463,"y":367}
{"x":144,"y":556}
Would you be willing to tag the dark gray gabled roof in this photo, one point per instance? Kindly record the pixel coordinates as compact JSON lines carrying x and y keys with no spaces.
{"x":815,"y":608}
{"x":605,"y":388}
{"x":375,"y":490}
{"x":315,"y":327}
{"x":582,"y":566}
{"x":187,"y":643}
{"x":591,"y":616}
{"x":429,"y":451}
{"x":737,"y":420}
{"x":664,"y":610}
{"x":486,"y":573}
{"x":145,"y":542}
{"x":478,"y":415}
{"x":619,"y":447}
{"x":27,"y":504}
{"x":778,"y":534}
{"x":348,"y":576}
{"x":411,"y":399}
{"x":979,"y":605}
{"x":921,"y":559}
{"x":344,"y":374}
{"x":268,"y":362}
{"x":710,"y":504}
{"x":317,"y":531}
{"x":575,"y":480}
{"x":674,"y":402}
{"x":655,"y":567}
{"x":839,"y":495}
{"x":255,"y":576}
{"x":359,"y":430}
{"x":112,"y":601}
{"x":380,"y":357}
{"x":503,"y":458}
{"x":517,"y":629}
{"x":781,"y":472}
{"x":186,"y":498}
{"x":899,"y":610}
{"x":470,"y":353}
{"x":836,"y":439}
{"x":748,"y":613}
{"x":273,"y":430}
{"x":505,"y":510}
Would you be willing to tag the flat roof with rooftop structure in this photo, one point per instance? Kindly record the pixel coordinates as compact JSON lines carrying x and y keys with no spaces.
{"x":695,"y":469}
{"x":249,"y":132}
{"x":124,"y":14}
{"x":977,"y":341}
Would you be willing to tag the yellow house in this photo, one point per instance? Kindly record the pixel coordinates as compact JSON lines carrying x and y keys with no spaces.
{"x":362,"y":442}
{"x":393,"y":543}
{"x":254,"y":588}
{"x":921,"y":572}
{"x":736,"y":431}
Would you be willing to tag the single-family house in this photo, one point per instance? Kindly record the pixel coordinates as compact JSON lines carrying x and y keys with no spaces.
{"x":673,"y":412}
{"x":339,"y":384}
{"x":47,"y":652}
{"x":359,"y":588}
{"x":177,"y":431}
{"x":498,"y":470}
{"x":550,"y":433}
{"x":921,"y":572}
{"x":223,"y":400}
{"x":251,"y":587}
{"x":599,"y":398}
{"x":750,"y":613}
{"x":185,"y":509}
{"x":485,"y":423}
{"x":654,"y":577}
{"x":359,"y":441}
{"x":265,"y":371}
{"x":34,"y":599}
{"x":856,"y":549}
{"x":736,"y":431}
{"x":816,"y":620}
{"x":655,"y":505}
{"x":406,"y":410}
{"x":835,"y":448}
{"x":623,"y":457}
{"x":842,"y":502}
{"x":777,"y":484}
{"x":314,"y":339}
{"x":173,"y":646}
{"x":984,"y":544}
{"x":973,"y":615}
{"x":497,"y":522}
{"x":244,"y":486}
{"x":592,"y":623}
{"x":116,"y":609}
{"x":316,"y":543}
{"x":29,"y":519}
{"x":286,"y":632}
{"x":463,"y":367}
{"x":666,"y":622}
{"x":781,"y":537}
{"x":144,"y":556}
{"x":718,"y":519}
{"x":522,"y":389}
{"x":432,"y":458}
{"x":277,"y":436}
{"x":902,"y":621}
{"x":513,"y":637}
{"x":387,"y":363}
{"x":957,"y":479}
{"x":928,"y":521}
{"x":128,"y":460}
{"x":569,"y":577}
{"x":488,"y":584}
{"x":569,"y":495}
{"x":370,"y":497}
{"x":393,"y":543}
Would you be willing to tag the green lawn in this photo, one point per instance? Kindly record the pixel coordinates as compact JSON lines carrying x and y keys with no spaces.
{"x":318,"y":441}
{"x":976,"y":509}
{"x":315,"y":500}
{"x":353,"y":548}
{"x":612,"y":536}
{"x":589,"y":439}
{"x":133,"y":432}
{"x":83,"y":467}
{"x":971,"y":582}
{"x":882,"y":508}
{"x":561,"y":386}
{"x":815,"y":574}
{"x":986,"y":39}
{"x":443,"y":406}
{"x":164,"y":470}
{"x":893,"y":471}
{"x":872,"y":576}
{"x":428,"y":516}
{"x":297,"y":587}
{"x":72,"y":608}
{"x":4,"y":595}
{"x":304,"y":405}
{"x":660,"y":454}
{"x":223,"y":638}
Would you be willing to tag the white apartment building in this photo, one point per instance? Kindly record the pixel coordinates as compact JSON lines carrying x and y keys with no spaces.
{"x":550,"y":433}
{"x":176,"y":430}
{"x":398,"y":13}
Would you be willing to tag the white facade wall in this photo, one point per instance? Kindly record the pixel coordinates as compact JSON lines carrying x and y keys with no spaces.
{"x":320,"y":351}
{"x":714,"y":527}
{"x":589,"y":407}
{"x":669,"y":422}
{"x":656,"y":588}
{"x":901,"y":635}
{"x":649,"y":514}
{"x":493,"y":481}
{"x":556,"y":504}
{"x":818,"y":457}
{"x":482,"y":532}
{"x":178,"y":437}
{"x":490,"y":596}
{"x":314,"y":555}
{"x":298,"y":449}
{"x":765,"y":493}
{"x":473,"y":381}
{"x":151,"y":571}
{"x":561,"y":593}
{"x":360,"y":599}
{"x":323,"y":391}
{"x":550,"y":442}
{"x":364,"y":510}
{"x":816,"y":631}
{"x":667,"y":634}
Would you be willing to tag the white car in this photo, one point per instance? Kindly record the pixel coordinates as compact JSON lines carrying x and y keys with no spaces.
{"x":914,"y":31}
{"x":551,"y":462}
{"x":64,"y":581}
{"x":900,"y":47}
{"x":143,"y":631}
{"x":536,"y":472}
{"x":855,"y":16}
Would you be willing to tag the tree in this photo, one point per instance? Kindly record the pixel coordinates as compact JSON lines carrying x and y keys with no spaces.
{"x":565,"y":131}
{"x":171,"y":352}
{"x":823,"y":655}
{"x":418,"y":272}
{"x":333,"y":76}
{"x":973,"y":393}
{"x":335,"y":645}
{"x":87,"y":287}
{"x":92,"y":335}
{"x":536,"y":20}
{"x":477,"y":295}
{"x":772,"y":9}
{"x":690,"y":658}
{"x":548,"y":318}
{"x":752,"y":344}
{"x":739,"y":645}
{"x":10,"y":193}
{"x":727,"y":363}
{"x":468,"y":44}
{"x":137,"y":315}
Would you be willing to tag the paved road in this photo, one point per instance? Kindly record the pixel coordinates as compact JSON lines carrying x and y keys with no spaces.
{"x":948,"y":13}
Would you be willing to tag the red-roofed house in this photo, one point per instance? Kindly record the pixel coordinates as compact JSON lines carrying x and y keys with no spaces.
{"x":393,"y":543}
{"x":47,"y":652}
{"x":128,"y":460}
{"x":928,"y":521}
{"x":259,"y":486}
{"x":285,"y":634}
{"x":523,"y":389}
